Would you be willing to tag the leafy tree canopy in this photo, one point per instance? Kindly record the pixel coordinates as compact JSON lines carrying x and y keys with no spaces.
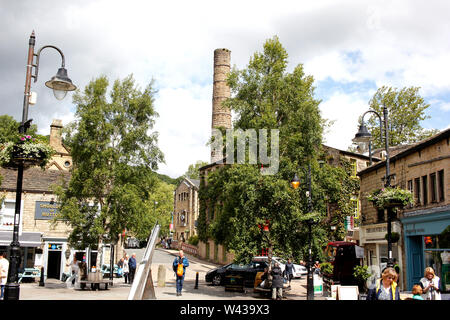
{"x":236,"y":199}
{"x":114,"y":157}
{"x":406,"y":109}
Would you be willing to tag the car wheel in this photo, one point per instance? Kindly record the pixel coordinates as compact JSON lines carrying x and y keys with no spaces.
{"x":217,"y":280}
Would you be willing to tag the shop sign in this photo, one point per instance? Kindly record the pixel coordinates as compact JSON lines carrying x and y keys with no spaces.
{"x":46,"y":210}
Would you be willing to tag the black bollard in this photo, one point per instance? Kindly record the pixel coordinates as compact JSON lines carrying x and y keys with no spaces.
{"x":41,"y":280}
{"x":196,"y":281}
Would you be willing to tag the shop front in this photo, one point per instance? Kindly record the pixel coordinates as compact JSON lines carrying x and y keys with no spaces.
{"x":427,"y":244}
{"x":373,"y":240}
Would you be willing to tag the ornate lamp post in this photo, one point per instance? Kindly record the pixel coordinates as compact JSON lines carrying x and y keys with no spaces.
{"x":295,"y":183}
{"x":60,"y":84}
{"x":363,"y":135}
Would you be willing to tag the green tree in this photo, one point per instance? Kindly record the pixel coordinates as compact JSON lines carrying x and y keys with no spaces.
{"x":9,"y":129}
{"x":237,"y":199}
{"x":406,"y":109}
{"x":114,"y":158}
{"x":193,"y":170}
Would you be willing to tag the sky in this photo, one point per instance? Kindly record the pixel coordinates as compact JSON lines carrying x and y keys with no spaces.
{"x":351,"y":48}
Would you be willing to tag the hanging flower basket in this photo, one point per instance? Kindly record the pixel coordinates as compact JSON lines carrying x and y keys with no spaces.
{"x":28,"y":151}
{"x":390,"y":198}
{"x":394,"y":237}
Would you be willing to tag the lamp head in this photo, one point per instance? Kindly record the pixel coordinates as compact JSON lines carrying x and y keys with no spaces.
{"x":363,"y":135}
{"x":295,"y":183}
{"x":60,"y":83}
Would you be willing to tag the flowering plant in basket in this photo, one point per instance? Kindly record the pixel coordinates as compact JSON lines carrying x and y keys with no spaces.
{"x":390,"y":197}
{"x":28,"y":150}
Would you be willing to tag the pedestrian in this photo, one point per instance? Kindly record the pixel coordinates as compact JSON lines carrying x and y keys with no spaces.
{"x":126,"y":269}
{"x":277,"y":282}
{"x":120,"y":268}
{"x":289,"y":270}
{"x":385,"y":288}
{"x":417,"y":292}
{"x":73,"y":280}
{"x":132,"y":267}
{"x":316,"y":267}
{"x":4,"y":266}
{"x":430,"y":283}
{"x":179,"y":267}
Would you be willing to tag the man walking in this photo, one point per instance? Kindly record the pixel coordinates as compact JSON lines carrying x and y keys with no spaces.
{"x":289,"y":270}
{"x":4,"y":266}
{"x":132,"y":267}
{"x":179,"y":267}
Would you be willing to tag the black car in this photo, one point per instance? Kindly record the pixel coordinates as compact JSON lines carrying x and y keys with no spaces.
{"x":217,"y":276}
{"x":246,"y":271}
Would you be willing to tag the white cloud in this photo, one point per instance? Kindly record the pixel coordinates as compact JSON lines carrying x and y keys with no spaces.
{"x":397,"y":43}
{"x":344,"y":111}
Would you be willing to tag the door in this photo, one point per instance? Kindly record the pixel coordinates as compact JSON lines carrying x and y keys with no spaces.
{"x":54,"y":264}
{"x":415,"y":260}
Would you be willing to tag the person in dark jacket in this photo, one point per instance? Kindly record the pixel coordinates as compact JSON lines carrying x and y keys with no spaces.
{"x":132,"y":267}
{"x":385,"y":288}
{"x":277,"y":282}
{"x":289,"y":270}
{"x":181,"y":259}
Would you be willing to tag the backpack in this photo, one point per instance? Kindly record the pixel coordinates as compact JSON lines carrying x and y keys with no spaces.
{"x":180,"y":270}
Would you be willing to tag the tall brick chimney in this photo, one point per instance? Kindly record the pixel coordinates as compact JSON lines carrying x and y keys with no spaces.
{"x":221,"y":116}
{"x":55,"y":136}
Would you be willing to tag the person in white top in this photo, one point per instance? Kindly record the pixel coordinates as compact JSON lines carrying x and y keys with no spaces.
{"x":4,"y":266}
{"x":126,"y":269}
{"x":73,"y":280}
{"x":430,"y":283}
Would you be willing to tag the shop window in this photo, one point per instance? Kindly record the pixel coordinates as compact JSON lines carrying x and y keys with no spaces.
{"x":433,"y":188}
{"x":425,"y":189}
{"x":441,"y":185}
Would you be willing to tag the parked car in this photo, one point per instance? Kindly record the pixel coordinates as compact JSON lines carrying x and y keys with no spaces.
{"x":217,"y":276}
{"x":246,"y":271}
{"x":298,"y":269}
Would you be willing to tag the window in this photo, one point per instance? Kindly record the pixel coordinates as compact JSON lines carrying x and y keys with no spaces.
{"x":410,"y":185}
{"x":433,"y":188}
{"x":417,"y":191}
{"x":441,"y":185}
{"x":354,"y":167}
{"x":7,"y":215}
{"x":425,"y":189}
{"x":380,"y":215}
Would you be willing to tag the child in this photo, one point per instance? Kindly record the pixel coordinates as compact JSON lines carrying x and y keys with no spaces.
{"x":417,"y":292}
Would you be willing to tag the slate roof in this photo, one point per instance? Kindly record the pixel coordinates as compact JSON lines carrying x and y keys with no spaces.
{"x":34,"y":179}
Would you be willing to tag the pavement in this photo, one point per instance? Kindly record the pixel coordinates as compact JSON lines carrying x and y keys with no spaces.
{"x":56,"y":290}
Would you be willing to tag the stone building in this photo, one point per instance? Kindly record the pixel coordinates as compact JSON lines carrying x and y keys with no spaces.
{"x":423,"y":228}
{"x":43,"y":243}
{"x":185,"y":213}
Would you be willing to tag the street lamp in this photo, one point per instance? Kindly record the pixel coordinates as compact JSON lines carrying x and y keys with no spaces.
{"x":363,"y":135}
{"x":295,"y":183}
{"x":60,"y":84}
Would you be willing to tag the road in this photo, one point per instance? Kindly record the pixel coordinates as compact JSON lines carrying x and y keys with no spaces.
{"x":56,"y":290}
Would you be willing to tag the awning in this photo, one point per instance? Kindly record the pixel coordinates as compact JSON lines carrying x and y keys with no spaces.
{"x":26,"y":239}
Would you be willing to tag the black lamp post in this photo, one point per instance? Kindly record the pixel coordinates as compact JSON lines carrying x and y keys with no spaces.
{"x":363,"y":135}
{"x":60,"y":84}
{"x":295,"y":183}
